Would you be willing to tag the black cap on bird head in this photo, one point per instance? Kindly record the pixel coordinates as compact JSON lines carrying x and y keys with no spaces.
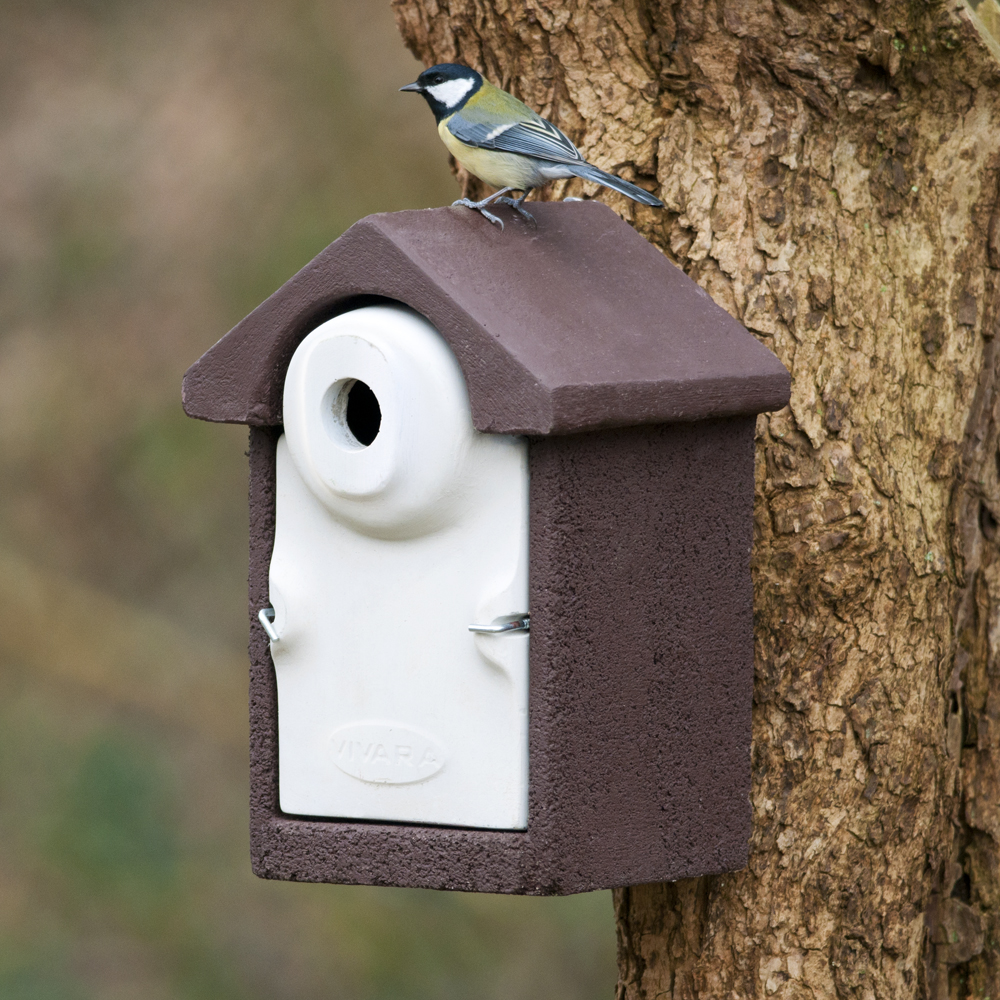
{"x":446,"y":87}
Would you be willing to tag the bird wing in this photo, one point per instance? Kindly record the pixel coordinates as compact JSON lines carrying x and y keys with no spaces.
{"x":537,"y":137}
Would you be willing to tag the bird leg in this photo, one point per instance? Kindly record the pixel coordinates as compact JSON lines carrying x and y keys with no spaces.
{"x":480,"y":206}
{"x":517,"y":204}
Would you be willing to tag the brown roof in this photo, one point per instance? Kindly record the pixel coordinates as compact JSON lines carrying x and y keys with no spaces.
{"x":572,"y":325}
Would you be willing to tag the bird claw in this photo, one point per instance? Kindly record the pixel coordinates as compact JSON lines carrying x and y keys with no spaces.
{"x":479,"y":207}
{"x":492,"y":218}
{"x":515,"y":203}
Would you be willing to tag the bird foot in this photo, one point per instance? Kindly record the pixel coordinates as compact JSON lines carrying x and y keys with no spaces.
{"x":516,"y":204}
{"x":480,"y":206}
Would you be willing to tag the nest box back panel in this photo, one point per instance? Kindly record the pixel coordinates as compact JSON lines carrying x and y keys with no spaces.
{"x":398,"y":525}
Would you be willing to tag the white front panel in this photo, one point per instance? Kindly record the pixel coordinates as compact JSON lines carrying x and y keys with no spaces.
{"x":388,"y":707}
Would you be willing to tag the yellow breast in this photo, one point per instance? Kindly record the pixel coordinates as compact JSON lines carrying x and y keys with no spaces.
{"x":496,"y":169}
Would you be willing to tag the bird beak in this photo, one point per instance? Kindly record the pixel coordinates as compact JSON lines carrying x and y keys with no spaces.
{"x":415,"y":87}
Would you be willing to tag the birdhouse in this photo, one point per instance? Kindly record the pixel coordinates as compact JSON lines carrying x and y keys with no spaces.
{"x":501,"y":487}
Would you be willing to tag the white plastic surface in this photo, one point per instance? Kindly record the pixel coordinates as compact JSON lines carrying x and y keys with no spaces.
{"x":388,"y":707}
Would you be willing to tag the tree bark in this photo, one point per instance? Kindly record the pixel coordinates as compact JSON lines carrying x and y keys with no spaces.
{"x":831,"y":173}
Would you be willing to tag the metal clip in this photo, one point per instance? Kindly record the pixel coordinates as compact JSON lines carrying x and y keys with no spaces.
{"x":507,"y":623}
{"x":266,"y":616}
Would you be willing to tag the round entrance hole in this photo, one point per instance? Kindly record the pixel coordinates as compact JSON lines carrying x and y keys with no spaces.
{"x":362,"y":415}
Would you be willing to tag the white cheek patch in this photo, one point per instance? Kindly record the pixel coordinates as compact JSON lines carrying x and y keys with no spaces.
{"x":451,"y":92}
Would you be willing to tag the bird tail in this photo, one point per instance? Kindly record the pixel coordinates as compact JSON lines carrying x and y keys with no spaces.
{"x":591,"y":173}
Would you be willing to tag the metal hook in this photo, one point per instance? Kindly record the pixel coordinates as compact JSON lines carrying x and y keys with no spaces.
{"x":507,"y":623}
{"x":266,"y":616}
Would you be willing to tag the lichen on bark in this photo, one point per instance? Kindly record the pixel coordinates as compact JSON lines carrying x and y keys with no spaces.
{"x":831,"y":175}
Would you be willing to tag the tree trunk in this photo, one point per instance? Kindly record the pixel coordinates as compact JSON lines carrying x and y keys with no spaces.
{"x":832,"y":177}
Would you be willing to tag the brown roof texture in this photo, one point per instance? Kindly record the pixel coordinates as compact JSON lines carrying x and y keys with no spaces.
{"x":574,"y":324}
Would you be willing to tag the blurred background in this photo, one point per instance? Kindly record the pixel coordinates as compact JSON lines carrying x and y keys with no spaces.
{"x":163,"y":168}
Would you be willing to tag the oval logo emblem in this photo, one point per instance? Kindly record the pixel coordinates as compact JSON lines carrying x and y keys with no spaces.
{"x":386,"y":753}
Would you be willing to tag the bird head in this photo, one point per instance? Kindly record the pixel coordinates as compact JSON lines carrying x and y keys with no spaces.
{"x":446,"y":88}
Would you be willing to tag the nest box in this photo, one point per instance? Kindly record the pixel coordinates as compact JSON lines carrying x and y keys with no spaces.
{"x":501,"y":486}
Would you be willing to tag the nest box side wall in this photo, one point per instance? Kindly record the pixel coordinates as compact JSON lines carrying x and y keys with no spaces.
{"x":642,"y":627}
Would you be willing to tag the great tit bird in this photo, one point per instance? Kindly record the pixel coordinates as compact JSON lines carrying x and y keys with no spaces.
{"x":503,"y":142}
